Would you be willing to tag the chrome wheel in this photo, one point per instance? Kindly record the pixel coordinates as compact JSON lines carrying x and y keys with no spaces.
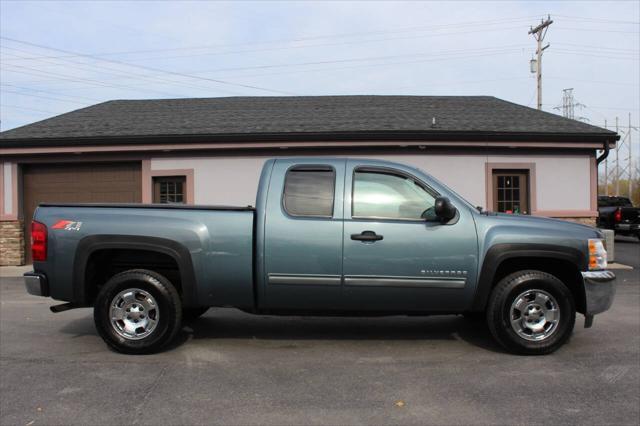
{"x":534,"y":315}
{"x":134,"y":314}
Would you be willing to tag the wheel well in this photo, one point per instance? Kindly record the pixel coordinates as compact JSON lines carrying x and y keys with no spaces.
{"x":564,"y":270}
{"x":105,"y":263}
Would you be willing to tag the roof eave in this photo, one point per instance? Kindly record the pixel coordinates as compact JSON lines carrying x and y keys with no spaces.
{"x":433,"y":135}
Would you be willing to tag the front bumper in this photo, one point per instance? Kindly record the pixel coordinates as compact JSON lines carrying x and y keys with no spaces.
{"x":36,"y":284}
{"x":599,"y":289}
{"x":628,"y":227}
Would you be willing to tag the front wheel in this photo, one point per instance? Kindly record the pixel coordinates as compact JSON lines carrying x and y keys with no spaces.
{"x":138,"y":312}
{"x":531,"y":312}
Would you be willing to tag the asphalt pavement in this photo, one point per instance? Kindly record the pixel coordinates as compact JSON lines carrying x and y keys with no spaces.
{"x":235,"y":368}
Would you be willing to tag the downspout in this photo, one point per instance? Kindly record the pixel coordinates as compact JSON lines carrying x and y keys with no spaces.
{"x":604,"y":155}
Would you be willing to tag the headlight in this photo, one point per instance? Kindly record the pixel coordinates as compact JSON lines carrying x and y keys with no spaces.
{"x":597,"y":255}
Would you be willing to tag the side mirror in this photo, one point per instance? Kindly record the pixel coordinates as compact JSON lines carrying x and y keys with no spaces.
{"x":444,"y":209}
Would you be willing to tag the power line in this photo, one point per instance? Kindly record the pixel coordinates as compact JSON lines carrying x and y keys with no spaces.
{"x":590,"y":47}
{"x":305,"y":46}
{"x":603,"y":20}
{"x":444,"y":55}
{"x":617,"y":83}
{"x":43,"y":97}
{"x":236,"y":52}
{"x":302,"y":39}
{"x":575,"y":53}
{"x":598,"y":30}
{"x":40,"y":73}
{"x":248,"y":86}
{"x":376,"y":65}
{"x":164,"y":57}
{"x":498,"y":49}
{"x":51,"y":93}
{"x":452,"y":55}
{"x":119,"y":72}
{"x":605,"y":107}
{"x":27,"y":109}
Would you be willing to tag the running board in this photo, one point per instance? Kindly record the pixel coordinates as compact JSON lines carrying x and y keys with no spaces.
{"x":64,"y":307}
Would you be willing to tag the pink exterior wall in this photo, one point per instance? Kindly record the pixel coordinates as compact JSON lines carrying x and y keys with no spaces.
{"x":8,"y":191}
{"x":562,"y":184}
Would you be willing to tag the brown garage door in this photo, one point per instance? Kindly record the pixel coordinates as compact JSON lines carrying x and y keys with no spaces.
{"x":78,"y":183}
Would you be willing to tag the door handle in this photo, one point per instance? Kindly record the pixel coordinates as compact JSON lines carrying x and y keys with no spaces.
{"x":367,"y":236}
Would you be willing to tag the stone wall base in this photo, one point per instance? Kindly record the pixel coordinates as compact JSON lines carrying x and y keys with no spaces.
{"x":591,"y":221}
{"x":11,"y":243}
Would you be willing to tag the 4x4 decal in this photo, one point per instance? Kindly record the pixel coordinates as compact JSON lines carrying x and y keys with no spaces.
{"x":67,"y":225}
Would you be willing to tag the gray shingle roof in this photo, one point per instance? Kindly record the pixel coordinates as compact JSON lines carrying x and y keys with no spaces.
{"x":327,"y":116}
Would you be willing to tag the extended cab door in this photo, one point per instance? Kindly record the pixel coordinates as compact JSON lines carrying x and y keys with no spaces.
{"x":397,"y":256}
{"x":303,"y":235}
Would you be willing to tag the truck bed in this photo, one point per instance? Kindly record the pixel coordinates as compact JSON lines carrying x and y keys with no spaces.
{"x":216,"y":240}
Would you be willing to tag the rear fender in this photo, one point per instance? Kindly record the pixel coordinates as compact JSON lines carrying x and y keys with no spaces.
{"x":89,"y":245}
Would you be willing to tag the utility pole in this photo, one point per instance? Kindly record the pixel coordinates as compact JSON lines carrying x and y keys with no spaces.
{"x":539,"y":33}
{"x":617,"y":174}
{"x":630,"y":160}
{"x":567,"y":103}
{"x":606,"y":170}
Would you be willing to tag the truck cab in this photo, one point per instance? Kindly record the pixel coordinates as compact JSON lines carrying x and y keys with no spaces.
{"x":364,"y":236}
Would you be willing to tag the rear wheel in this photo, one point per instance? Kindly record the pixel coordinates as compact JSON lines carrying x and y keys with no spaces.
{"x":137,"y":312}
{"x":531,"y":312}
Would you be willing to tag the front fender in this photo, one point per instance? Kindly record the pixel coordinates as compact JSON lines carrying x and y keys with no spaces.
{"x":499,"y":253}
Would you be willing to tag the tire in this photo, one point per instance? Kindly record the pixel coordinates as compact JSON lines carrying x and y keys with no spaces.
{"x":192,"y":314}
{"x":543,"y":310}
{"x":138,"y":297}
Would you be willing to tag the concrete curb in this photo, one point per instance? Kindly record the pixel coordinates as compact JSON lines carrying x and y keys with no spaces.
{"x":14,"y":271}
{"x":619,"y":266}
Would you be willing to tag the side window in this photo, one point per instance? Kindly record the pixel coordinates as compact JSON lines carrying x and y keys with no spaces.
{"x":391,"y":196}
{"x":169,"y":190}
{"x":309,"y":191}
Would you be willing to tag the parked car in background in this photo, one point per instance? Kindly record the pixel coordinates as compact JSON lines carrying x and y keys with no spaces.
{"x":328,"y":236}
{"x":619,"y":215}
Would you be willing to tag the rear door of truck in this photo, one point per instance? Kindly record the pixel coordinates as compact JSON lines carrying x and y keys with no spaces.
{"x":303,"y":233}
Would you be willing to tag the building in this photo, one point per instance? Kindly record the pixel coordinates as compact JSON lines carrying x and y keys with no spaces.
{"x":497,"y":154}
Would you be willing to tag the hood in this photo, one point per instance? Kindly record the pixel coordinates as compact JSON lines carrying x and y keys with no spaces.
{"x":559,"y":226}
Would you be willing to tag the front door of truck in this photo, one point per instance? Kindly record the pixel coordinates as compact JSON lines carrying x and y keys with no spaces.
{"x":303,"y":235}
{"x":397,"y":256}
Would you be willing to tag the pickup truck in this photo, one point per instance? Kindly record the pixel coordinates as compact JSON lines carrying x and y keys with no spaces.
{"x":328,"y":236}
{"x":619,"y":215}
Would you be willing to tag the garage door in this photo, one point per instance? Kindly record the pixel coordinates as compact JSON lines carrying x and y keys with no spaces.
{"x":78,"y":183}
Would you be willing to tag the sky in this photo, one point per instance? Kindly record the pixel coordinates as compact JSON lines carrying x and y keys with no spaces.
{"x":56,"y":56}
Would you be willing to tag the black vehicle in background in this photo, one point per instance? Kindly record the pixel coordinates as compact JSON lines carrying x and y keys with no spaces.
{"x":618,"y":214}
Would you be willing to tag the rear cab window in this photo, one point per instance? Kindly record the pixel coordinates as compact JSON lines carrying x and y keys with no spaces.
{"x":309,"y":191}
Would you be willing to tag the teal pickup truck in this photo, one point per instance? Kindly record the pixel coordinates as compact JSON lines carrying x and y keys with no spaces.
{"x":328,"y":236}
